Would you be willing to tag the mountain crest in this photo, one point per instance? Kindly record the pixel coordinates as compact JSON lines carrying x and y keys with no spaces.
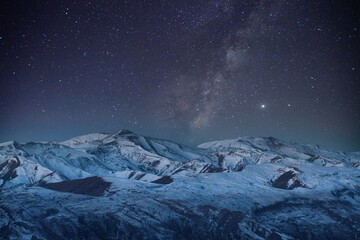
{"x":125,"y":185}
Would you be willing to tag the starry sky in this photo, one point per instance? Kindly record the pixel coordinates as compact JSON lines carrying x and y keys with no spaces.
{"x":189,"y":71}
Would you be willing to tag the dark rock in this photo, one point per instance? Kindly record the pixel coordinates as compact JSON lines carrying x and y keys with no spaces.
{"x":92,"y":186}
{"x":163,"y":180}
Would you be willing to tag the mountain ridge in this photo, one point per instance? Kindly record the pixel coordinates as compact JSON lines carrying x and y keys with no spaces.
{"x":131,"y":186}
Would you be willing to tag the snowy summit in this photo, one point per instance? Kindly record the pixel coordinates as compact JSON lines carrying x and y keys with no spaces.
{"x":127,"y":186}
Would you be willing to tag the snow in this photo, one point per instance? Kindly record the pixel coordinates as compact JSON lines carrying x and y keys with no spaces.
{"x":224,"y":188}
{"x":85,"y":141}
{"x":9,"y":143}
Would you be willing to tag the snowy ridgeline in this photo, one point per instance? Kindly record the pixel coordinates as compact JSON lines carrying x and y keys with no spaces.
{"x":126,"y":186}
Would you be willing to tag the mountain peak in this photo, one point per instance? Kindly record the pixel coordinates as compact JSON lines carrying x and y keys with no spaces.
{"x":274,"y":179}
{"x":10,"y":144}
{"x":124,"y":132}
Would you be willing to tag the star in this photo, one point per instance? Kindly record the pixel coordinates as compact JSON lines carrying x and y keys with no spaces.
{"x":181,"y":68}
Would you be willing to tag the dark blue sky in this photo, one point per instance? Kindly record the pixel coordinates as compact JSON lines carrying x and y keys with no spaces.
{"x":190,"y":71}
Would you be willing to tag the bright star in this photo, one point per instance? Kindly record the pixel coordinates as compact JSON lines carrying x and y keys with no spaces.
{"x":262,"y":106}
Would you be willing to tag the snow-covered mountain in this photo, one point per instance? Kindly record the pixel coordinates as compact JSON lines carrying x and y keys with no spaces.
{"x":127,"y":186}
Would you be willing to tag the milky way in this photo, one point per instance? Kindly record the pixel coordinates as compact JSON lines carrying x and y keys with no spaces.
{"x":188,"y":71}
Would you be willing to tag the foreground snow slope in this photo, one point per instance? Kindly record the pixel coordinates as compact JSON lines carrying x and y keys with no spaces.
{"x":127,"y":186}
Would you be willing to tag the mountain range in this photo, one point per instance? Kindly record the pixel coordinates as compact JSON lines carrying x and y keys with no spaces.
{"x":127,"y":186}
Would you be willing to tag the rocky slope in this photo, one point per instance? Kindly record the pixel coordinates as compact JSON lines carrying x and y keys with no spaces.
{"x":127,"y":186}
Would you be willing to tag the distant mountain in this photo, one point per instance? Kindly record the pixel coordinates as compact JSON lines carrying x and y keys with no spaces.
{"x":127,"y":186}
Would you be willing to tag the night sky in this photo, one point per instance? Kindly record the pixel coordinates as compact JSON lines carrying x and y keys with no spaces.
{"x":189,"y":71}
